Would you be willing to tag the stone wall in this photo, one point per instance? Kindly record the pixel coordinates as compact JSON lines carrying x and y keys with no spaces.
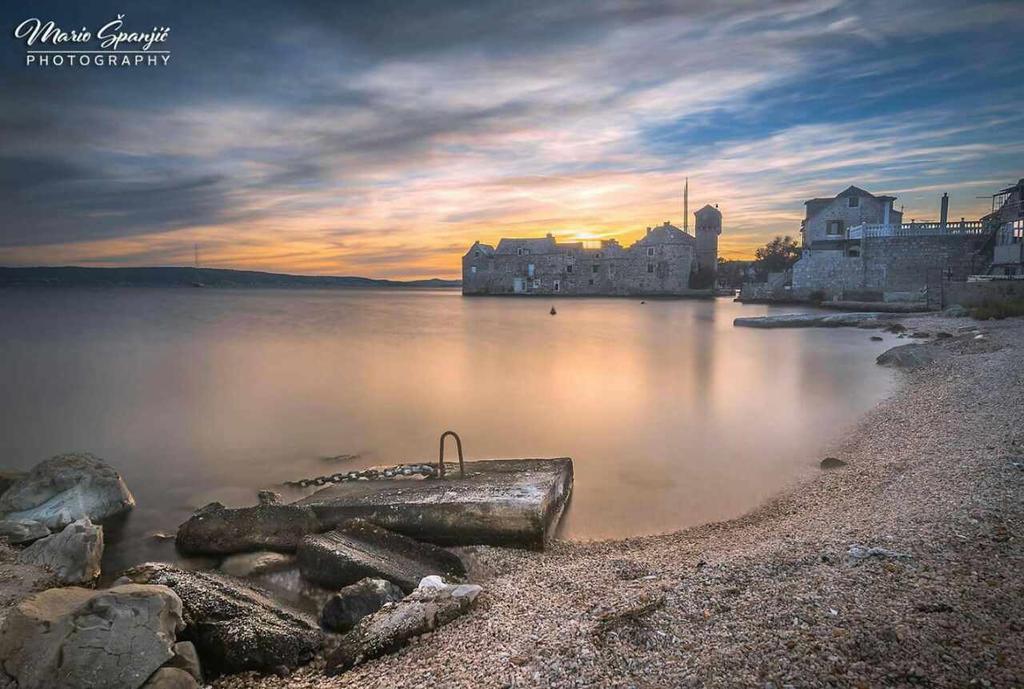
{"x":976,"y":293}
{"x":829,"y":272}
{"x":624,"y":272}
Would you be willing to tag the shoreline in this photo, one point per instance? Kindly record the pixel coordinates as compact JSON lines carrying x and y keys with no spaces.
{"x":774,"y":597}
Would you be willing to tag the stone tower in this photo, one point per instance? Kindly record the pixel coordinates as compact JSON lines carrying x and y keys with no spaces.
{"x":707,"y":225}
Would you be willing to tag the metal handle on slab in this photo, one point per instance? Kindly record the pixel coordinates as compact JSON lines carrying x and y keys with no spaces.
{"x":440,"y":454}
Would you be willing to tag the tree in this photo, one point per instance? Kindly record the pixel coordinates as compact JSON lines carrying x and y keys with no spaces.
{"x":777,"y":255}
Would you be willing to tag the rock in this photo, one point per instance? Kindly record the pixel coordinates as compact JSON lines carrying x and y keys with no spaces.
{"x":895,"y":328}
{"x":76,"y":638}
{"x":20,"y":531}
{"x":73,"y":555}
{"x":186,"y":658}
{"x":941,"y":335}
{"x":359,"y":549}
{"x":385,"y":631}
{"x":233,"y":626}
{"x":268,"y":497}
{"x":858,"y":553}
{"x":876,"y":338}
{"x":910,"y":356}
{"x":921,"y":335}
{"x":171,"y":678}
{"x":345,"y":608}
{"x":256,"y":564}
{"x":832,"y":463}
{"x":67,"y":488}
{"x":9,"y":477}
{"x":219,"y":530}
{"x":816,"y":320}
{"x":956,"y":311}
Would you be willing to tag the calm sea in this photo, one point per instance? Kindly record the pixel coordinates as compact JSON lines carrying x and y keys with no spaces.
{"x":673,"y":416}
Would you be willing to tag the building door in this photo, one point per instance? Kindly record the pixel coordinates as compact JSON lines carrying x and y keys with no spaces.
{"x":558,"y":285}
{"x":517,"y":285}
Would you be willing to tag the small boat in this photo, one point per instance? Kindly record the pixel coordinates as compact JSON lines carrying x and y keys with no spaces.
{"x":553,"y":312}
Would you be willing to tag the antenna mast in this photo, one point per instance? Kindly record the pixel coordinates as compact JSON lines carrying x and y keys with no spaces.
{"x":686,"y":205}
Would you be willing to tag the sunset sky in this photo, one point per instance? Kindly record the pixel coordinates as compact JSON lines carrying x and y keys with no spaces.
{"x":382,"y":139}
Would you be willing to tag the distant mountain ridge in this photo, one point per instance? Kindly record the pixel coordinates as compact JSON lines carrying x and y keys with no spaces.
{"x":74,"y":276}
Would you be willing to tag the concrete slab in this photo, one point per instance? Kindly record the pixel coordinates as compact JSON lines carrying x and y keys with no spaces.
{"x":510,"y":502}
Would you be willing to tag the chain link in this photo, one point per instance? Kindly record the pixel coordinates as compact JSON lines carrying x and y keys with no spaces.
{"x":397,"y":471}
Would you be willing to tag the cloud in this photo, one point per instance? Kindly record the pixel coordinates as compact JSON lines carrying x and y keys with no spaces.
{"x":384,"y":137}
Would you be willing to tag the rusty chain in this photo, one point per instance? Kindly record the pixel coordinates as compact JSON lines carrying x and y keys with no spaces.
{"x":397,"y":471}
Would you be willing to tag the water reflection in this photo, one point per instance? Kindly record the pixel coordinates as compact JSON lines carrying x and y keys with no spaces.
{"x":673,"y":416}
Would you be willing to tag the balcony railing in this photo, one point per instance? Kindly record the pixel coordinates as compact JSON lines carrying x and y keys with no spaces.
{"x":917,"y":229}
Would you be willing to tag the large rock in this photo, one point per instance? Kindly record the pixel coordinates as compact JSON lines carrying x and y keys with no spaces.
{"x":911,"y":356}
{"x":186,"y":658}
{"x":345,"y":608}
{"x":67,"y":488}
{"x":219,"y":530}
{"x":75,"y":638}
{"x":249,"y":565}
{"x":816,"y":320}
{"x":233,"y":626}
{"x":20,"y":531}
{"x":73,"y":555}
{"x":171,"y":678}
{"x":430,"y":606}
{"x":9,"y":477}
{"x":358,"y":549}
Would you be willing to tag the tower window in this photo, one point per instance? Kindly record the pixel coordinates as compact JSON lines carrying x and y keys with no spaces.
{"x":650,"y":251}
{"x":650,"y":267}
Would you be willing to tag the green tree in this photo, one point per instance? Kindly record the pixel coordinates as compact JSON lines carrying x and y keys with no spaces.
{"x":777,"y":255}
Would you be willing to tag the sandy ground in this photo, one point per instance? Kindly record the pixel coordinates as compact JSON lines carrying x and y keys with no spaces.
{"x":935,"y":474}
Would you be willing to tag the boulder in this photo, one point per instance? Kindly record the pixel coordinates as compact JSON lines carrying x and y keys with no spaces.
{"x":20,"y":531}
{"x":345,"y":608}
{"x":256,"y":564}
{"x":233,"y":626}
{"x":219,"y":530}
{"x":76,"y":638}
{"x":358,"y":549}
{"x":910,"y":356}
{"x":73,"y":555}
{"x":8,"y":478}
{"x":433,"y":604}
{"x":186,"y":658}
{"x":171,"y":678}
{"x":956,"y":311}
{"x":67,"y":488}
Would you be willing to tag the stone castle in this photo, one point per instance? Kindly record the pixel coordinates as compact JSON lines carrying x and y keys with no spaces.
{"x":666,"y":261}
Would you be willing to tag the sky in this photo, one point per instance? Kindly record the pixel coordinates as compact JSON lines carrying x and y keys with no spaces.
{"x":383,"y":138}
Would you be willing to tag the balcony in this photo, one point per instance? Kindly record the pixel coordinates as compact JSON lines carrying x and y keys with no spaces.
{"x":917,"y":229}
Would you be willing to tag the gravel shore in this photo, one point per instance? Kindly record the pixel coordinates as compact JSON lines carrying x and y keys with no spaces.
{"x":934,"y":477}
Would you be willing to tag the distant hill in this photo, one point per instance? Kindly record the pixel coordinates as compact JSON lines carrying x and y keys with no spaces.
{"x":72,"y":276}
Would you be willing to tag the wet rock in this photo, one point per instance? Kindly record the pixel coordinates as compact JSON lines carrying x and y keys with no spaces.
{"x":73,"y":555}
{"x":76,"y":638}
{"x":895,"y":328}
{"x":21,"y":531}
{"x":856,"y":554}
{"x":942,"y":335}
{"x":956,"y":311}
{"x":219,"y":530}
{"x":345,"y":608}
{"x":832,"y":463}
{"x":256,"y":564}
{"x":910,"y":356}
{"x":186,"y":658}
{"x":171,"y":678}
{"x":66,"y":488}
{"x":9,"y":477}
{"x":876,"y":338}
{"x":233,"y":626}
{"x":921,"y":335}
{"x":815,"y":320}
{"x":433,"y":604}
{"x":359,"y":549}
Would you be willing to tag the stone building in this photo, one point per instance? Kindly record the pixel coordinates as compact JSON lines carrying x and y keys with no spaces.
{"x":857,"y":247}
{"x":1008,"y":249}
{"x":665,"y":262}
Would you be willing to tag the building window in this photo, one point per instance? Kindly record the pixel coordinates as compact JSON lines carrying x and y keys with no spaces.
{"x":519,"y":251}
{"x":477,"y":254}
{"x":854,"y":201}
{"x":529,"y":270}
{"x":593,"y":268}
{"x":834,"y":227}
{"x":650,"y":267}
{"x":472,"y":270}
{"x":650,"y":251}
{"x":590,"y":281}
{"x":597,"y":255}
{"x":536,"y":284}
{"x":558,"y":285}
{"x":568,"y":268}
